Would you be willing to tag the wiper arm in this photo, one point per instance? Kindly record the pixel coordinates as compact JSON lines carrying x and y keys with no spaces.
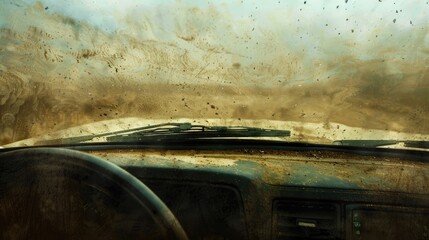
{"x":379,"y":143}
{"x":172,"y":131}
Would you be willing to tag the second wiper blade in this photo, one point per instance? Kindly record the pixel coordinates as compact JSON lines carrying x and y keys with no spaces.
{"x":189,"y":131}
{"x":379,"y":143}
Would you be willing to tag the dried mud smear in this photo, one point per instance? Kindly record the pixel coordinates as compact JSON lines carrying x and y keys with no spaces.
{"x":57,"y":73}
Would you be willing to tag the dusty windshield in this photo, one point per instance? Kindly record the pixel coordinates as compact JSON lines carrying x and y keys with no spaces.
{"x":326,"y":70}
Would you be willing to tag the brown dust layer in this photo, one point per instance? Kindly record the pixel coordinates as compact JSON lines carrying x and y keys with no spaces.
{"x":42,"y":108}
{"x":71,"y":74}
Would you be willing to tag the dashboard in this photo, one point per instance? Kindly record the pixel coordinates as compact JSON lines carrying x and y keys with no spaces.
{"x":262,"y":193}
{"x":286,"y":194}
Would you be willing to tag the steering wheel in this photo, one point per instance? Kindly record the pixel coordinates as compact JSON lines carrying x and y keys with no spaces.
{"x":52,"y":193}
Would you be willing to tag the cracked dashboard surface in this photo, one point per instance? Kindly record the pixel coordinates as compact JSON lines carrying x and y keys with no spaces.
{"x":256,"y":194}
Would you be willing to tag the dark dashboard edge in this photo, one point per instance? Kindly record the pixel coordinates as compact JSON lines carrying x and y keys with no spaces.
{"x":241,"y":144}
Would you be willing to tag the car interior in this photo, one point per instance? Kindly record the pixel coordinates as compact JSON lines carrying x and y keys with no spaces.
{"x":214,"y":119}
{"x":227,"y":190}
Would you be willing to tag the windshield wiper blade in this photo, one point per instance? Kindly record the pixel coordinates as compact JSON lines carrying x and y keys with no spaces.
{"x":380,"y":143}
{"x":173,"y":131}
{"x":190,"y":131}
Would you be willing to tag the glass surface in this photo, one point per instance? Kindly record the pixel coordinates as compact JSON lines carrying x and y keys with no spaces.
{"x":326,"y":70}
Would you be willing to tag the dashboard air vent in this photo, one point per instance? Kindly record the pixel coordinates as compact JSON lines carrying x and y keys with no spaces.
{"x":301,"y":220}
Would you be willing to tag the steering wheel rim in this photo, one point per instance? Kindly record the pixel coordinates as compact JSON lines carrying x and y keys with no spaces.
{"x":35,"y":162}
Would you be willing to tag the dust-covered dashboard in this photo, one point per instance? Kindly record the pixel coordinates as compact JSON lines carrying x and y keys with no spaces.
{"x":263,"y":193}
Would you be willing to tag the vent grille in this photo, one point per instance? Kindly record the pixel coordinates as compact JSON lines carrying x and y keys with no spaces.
{"x":300,"y":220}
